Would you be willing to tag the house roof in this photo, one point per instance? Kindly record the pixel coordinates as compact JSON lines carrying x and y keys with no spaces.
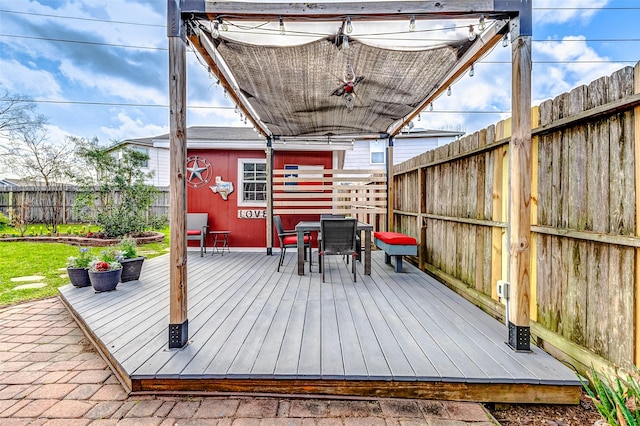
{"x":219,"y":133}
{"x":320,"y":89}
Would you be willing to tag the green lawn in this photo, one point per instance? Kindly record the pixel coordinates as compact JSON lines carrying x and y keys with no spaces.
{"x":47,"y":260}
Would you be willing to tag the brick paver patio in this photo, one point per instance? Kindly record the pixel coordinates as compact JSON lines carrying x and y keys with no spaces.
{"x":50,"y":375}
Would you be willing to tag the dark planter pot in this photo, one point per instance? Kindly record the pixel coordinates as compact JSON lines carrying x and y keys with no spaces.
{"x":79,"y":276}
{"x":105,"y":281}
{"x":131,"y":268}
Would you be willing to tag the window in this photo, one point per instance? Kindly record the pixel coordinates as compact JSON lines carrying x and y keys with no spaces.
{"x":376,"y":149}
{"x":252,"y":176}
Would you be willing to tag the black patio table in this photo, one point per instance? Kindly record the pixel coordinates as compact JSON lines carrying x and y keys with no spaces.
{"x":307,"y":226}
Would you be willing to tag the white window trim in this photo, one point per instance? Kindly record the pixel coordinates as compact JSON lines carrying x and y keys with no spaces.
{"x":240,"y":198}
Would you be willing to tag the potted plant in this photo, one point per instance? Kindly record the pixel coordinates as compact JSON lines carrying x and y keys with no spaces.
{"x":78,"y":268}
{"x":105,"y":271}
{"x":131,"y":262}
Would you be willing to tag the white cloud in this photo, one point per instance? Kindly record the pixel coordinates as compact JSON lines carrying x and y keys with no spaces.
{"x":574,"y":63}
{"x":130,"y":128}
{"x":37,"y":83}
{"x":112,"y":86}
{"x":556,"y":12}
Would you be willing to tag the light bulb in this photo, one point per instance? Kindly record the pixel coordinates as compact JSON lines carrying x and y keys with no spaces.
{"x":431,"y":106}
{"x":282,"y":26}
{"x":449,"y":91}
{"x":345,"y":42}
{"x":505,"y":40}
{"x":471,"y":71}
{"x":472,"y":34}
{"x":236,"y":109}
{"x":225,"y":93}
{"x":225,"y":26}
{"x":412,"y":23}
{"x":349,"y":27}
{"x":419,"y":118}
{"x":215,"y":33}
{"x":481,"y":24}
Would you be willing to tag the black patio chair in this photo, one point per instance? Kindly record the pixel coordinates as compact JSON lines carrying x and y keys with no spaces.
{"x":338,"y":238}
{"x":358,"y":239}
{"x":289,"y":239}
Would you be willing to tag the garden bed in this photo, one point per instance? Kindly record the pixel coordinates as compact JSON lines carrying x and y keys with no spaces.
{"x":94,"y":241}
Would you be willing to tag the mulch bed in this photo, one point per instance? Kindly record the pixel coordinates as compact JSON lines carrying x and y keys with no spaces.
{"x":96,"y":241}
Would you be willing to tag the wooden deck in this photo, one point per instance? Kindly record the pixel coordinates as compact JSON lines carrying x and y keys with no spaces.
{"x":253,"y":329}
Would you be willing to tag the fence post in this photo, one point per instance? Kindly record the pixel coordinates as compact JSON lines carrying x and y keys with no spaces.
{"x":636,"y":120}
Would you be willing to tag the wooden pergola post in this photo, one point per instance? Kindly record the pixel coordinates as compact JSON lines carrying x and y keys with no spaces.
{"x":178,"y":322}
{"x":269,"y":212}
{"x":520,"y":182}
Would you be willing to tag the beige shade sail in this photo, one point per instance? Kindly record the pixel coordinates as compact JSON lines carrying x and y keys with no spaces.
{"x":305,"y":90}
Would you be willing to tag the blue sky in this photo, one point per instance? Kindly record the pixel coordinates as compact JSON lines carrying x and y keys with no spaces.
{"x":99,"y":68}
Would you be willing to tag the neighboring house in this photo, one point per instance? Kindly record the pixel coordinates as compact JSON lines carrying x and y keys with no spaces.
{"x":158,"y":158}
{"x":371,"y":154}
{"x":9,"y":183}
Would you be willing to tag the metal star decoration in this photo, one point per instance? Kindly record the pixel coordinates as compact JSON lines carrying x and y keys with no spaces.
{"x":199,"y":171}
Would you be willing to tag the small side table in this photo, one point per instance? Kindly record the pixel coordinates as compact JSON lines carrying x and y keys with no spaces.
{"x":223,"y":237}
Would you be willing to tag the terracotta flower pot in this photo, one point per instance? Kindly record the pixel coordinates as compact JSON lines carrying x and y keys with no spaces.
{"x":106,"y":280}
{"x":79,"y":276}
{"x":131,"y":268}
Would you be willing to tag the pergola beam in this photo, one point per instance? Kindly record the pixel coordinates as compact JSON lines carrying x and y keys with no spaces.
{"x":313,"y":11}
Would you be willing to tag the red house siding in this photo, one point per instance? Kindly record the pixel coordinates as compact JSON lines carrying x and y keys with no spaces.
{"x":223,"y":214}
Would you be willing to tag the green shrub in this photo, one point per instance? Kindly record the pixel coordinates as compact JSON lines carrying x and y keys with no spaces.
{"x":114,"y":194}
{"x":617,"y":399}
{"x":128,"y":247}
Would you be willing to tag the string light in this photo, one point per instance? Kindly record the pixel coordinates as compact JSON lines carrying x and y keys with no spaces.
{"x":226,"y":95}
{"x":225,"y":26}
{"x":419,"y":118}
{"x":412,"y":23}
{"x":345,"y":42}
{"x":348,"y":26}
{"x":282,"y":31}
{"x":431,"y":106}
{"x":449,"y":91}
{"x":481,"y":24}
{"x":505,"y":40}
{"x":472,"y":34}
{"x":215,"y":32}
{"x":471,"y":71}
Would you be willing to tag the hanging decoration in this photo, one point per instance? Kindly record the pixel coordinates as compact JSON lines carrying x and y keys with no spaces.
{"x":223,"y":188}
{"x":347,"y":88}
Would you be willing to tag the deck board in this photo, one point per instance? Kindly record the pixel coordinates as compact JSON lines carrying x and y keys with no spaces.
{"x":250,"y":325}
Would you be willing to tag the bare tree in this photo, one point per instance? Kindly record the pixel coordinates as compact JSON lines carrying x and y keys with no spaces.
{"x":29,"y":155}
{"x":17,"y":113}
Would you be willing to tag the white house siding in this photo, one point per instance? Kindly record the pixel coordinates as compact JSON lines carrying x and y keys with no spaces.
{"x":159,"y":164}
{"x":403,"y":149}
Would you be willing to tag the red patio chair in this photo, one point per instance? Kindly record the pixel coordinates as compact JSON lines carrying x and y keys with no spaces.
{"x":289,"y":239}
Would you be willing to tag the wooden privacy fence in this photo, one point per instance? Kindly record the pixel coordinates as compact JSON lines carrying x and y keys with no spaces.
{"x":38,"y":202}
{"x":585,"y":219}
{"x":359,"y":193}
